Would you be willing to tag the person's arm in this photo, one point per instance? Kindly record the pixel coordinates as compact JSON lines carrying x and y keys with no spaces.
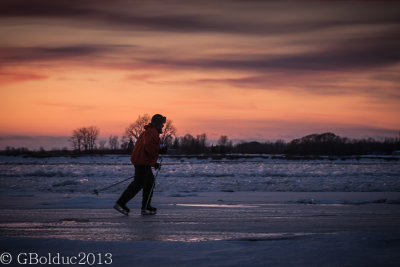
{"x":152,"y":145}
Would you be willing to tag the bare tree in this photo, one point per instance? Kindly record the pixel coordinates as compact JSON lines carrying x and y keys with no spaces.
{"x":85,"y":137}
{"x":169,"y":132}
{"x":125,"y":142}
{"x":187,"y":143}
{"x":113,"y":142}
{"x":201,"y":139}
{"x":76,"y":140}
{"x":93,"y":134}
{"x":223,"y":140}
{"x":224,"y":144}
{"x":102,"y":144}
{"x":135,"y":129}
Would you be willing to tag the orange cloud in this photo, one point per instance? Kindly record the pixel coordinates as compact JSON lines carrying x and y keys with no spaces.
{"x":250,"y":69}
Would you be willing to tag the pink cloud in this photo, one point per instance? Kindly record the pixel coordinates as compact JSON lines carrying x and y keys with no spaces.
{"x":7,"y":77}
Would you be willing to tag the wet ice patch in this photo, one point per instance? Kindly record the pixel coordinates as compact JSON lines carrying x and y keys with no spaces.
{"x":218,"y":205}
{"x":345,"y":202}
{"x":73,"y":220}
{"x":70,"y":182}
{"x":66,"y":183}
{"x":183,"y":195}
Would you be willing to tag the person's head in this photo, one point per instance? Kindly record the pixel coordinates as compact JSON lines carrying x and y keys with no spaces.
{"x":158,"y":121}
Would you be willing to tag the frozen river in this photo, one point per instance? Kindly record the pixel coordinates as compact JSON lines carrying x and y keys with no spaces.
{"x":258,"y":212}
{"x":205,"y":217}
{"x":209,"y":229}
{"x":184,"y":175}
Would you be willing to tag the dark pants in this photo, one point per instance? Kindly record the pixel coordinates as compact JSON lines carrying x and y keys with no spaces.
{"x":144,"y":179}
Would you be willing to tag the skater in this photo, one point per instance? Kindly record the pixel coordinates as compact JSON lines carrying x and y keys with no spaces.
{"x":144,"y":156}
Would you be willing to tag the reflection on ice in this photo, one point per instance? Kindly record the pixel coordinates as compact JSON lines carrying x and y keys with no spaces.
{"x":218,"y":205}
{"x":236,"y":236}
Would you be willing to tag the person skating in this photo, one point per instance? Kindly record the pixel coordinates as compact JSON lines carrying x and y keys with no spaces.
{"x":144,"y":156}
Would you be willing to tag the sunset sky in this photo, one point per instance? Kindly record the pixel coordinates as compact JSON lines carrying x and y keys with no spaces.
{"x":252,"y":70}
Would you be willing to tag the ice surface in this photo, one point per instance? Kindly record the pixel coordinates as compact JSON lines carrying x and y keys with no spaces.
{"x":210,"y":229}
{"x":84,"y":174}
{"x":253,"y":212}
{"x":341,"y":249}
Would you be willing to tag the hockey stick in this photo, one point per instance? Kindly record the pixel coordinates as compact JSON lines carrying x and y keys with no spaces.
{"x":96,"y":191}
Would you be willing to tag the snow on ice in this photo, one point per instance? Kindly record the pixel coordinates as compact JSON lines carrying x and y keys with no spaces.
{"x":258,"y":211}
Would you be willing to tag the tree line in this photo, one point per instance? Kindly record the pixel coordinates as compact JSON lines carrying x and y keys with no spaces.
{"x":85,"y":140}
{"x":314,"y":144}
{"x":310,"y":145}
{"x":331,"y":144}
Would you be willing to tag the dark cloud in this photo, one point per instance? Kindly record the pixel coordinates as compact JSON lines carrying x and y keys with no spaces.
{"x":367,"y":50}
{"x":228,"y":17}
{"x":102,"y":13}
{"x":352,"y":55}
{"x":42,"y":8}
{"x":10,"y":55}
{"x":358,"y":54}
{"x":346,"y":56}
{"x":309,"y":82}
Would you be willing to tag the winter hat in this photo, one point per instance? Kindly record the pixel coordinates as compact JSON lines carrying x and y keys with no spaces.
{"x":158,"y":119}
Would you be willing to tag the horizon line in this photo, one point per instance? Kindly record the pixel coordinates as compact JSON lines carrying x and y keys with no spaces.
{"x":60,"y":142}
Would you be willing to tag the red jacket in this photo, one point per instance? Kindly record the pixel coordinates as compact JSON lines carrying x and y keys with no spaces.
{"x":147,"y":147}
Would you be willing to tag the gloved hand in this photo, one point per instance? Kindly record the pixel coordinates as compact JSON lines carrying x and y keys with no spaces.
{"x":157,"y":166}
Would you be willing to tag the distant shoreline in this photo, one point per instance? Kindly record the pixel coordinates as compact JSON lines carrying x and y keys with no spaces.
{"x":206,"y":156}
{"x":312,"y":146}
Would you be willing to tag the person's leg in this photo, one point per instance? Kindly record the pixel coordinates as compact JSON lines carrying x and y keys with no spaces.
{"x":148,"y":188}
{"x":134,"y":187}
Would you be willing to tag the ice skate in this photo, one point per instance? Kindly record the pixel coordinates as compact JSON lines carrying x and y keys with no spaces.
{"x":122,"y":208}
{"x":149,"y":211}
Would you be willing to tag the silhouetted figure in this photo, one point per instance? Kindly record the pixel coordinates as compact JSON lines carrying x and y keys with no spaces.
{"x":144,"y":156}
